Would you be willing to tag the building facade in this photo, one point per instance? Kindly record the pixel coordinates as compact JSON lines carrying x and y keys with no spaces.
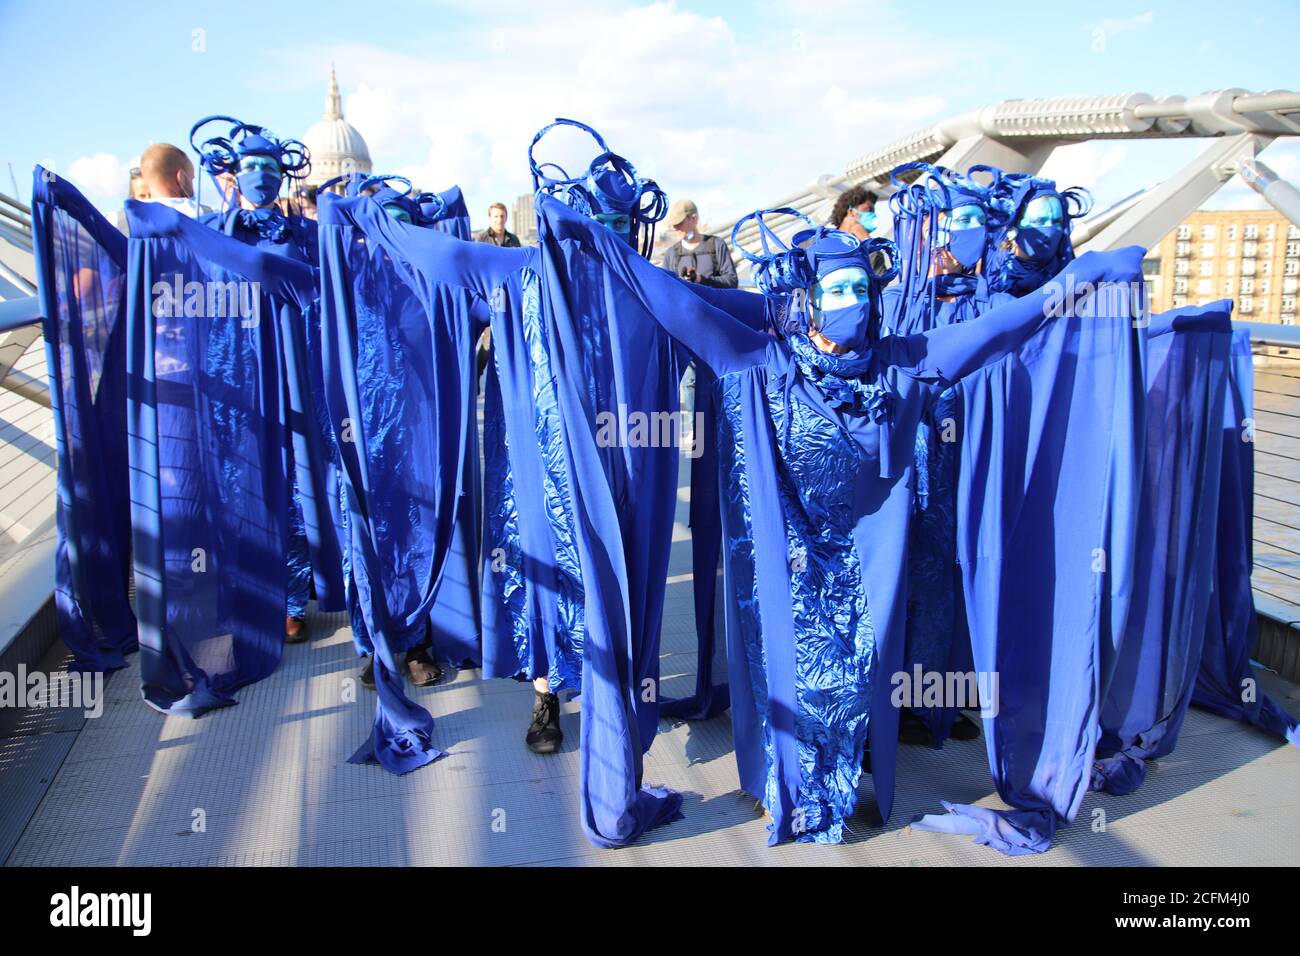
{"x":1249,"y":256}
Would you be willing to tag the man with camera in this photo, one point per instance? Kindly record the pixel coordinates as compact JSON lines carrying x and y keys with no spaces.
{"x":696,"y":257}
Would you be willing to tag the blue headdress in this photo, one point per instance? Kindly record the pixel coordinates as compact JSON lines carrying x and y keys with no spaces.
{"x":395,"y":194}
{"x":222,"y":154}
{"x":609,"y":189}
{"x":1046,"y":251}
{"x":917,"y":205}
{"x":785,"y":274}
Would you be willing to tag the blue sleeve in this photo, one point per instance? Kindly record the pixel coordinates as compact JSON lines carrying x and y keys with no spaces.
{"x":953,"y":352}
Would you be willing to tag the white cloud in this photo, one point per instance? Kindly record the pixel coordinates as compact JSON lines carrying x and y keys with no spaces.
{"x":103,"y":179}
{"x":1089,"y":165}
{"x":731,"y":117}
{"x":1126,"y":25}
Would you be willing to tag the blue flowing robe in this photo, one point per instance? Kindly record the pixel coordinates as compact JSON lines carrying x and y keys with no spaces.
{"x":816,"y":507}
{"x":315,"y":510}
{"x":81,"y":271}
{"x":603,"y":354}
{"x":1188,"y":355}
{"x":1225,"y":683}
{"x":1047,"y":519}
{"x":211,"y":415}
{"x":937,"y":640}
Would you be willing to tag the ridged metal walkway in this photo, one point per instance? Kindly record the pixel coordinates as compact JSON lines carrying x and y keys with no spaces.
{"x":269,"y":781}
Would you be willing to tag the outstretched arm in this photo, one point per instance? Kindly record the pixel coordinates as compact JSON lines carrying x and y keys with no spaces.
{"x":954,"y":351}
{"x":711,"y":324}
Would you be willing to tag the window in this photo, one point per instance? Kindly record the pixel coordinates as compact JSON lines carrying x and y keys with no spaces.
{"x":1205,"y":286}
{"x":1293,"y":250}
{"x":1230,"y":250}
{"x":1207,"y":268}
{"x":1207,"y":250}
{"x":1288,"y":304}
{"x":1267,"y":250}
{"x":1247,"y":305}
{"x":1293,"y":232}
{"x":1181,"y":268}
{"x":1184,"y":232}
{"x":1151,"y":266}
{"x":1289,"y":286}
{"x":1266,"y":267}
{"x":1251,"y":231}
{"x":1248,"y":267}
{"x":1183,"y":249}
{"x":1270,"y":230}
{"x":1230,"y":267}
{"x":1180,"y":301}
{"x":1207,"y":232}
{"x":1291,"y":268}
{"x":1247,"y":286}
{"x":1232,"y":231}
{"x":1227,"y":287}
{"x":1248,"y":250}
{"x":1288,"y":320}
{"x":1265,"y":286}
{"x":1180,"y":286}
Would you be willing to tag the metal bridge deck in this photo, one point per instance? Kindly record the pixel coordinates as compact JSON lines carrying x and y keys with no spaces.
{"x":270,"y":781}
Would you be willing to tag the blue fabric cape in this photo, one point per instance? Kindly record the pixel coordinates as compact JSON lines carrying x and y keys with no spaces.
{"x":1047,"y":522}
{"x":1188,"y":355}
{"x":81,"y":275}
{"x":211,"y":419}
{"x":1225,"y":683}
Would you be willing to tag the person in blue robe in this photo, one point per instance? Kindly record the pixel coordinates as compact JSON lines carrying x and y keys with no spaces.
{"x":250,"y":165}
{"x":453,"y":632}
{"x":1032,"y":244}
{"x":817,"y":433}
{"x":81,"y":267}
{"x":941,"y":221}
{"x":605,"y":354}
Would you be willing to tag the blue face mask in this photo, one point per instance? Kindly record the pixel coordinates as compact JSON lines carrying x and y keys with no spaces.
{"x":1039,"y":232}
{"x":965,"y":234}
{"x":259,"y":179}
{"x":1039,"y":243}
{"x":849,"y":326}
{"x":867,"y":220}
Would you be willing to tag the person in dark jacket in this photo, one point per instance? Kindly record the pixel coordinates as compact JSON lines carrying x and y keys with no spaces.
{"x":496,"y":232}
{"x":696,"y":257}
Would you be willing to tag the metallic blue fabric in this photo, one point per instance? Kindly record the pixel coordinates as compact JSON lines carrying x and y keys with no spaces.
{"x":1225,"y":682}
{"x":531,"y":573}
{"x":1047,"y":520}
{"x":1188,"y":351}
{"x":81,"y":263}
{"x":210,"y":425}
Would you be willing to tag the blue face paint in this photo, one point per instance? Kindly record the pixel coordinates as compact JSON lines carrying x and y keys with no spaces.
{"x":618,"y":222}
{"x":397,"y":212}
{"x":842,"y":307}
{"x":867,"y":220}
{"x":964,"y":232}
{"x":1041,"y":228}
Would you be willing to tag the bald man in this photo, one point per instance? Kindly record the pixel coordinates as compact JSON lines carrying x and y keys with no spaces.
{"x":169,"y":176}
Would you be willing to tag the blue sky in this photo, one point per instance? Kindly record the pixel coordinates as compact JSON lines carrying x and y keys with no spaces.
{"x":733,"y":104}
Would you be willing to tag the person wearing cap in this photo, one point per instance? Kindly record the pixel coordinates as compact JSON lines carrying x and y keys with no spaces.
{"x":696,"y":257}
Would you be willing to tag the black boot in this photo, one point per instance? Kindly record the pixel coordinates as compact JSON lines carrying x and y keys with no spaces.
{"x":544,"y":733}
{"x":367,"y":674}
{"x":964,"y":729}
{"x":423,"y":669}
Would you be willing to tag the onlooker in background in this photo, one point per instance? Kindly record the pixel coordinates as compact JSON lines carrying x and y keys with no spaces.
{"x":696,"y":257}
{"x":855,"y":212}
{"x":169,"y":175}
{"x":496,"y":233}
{"x":138,"y":189}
